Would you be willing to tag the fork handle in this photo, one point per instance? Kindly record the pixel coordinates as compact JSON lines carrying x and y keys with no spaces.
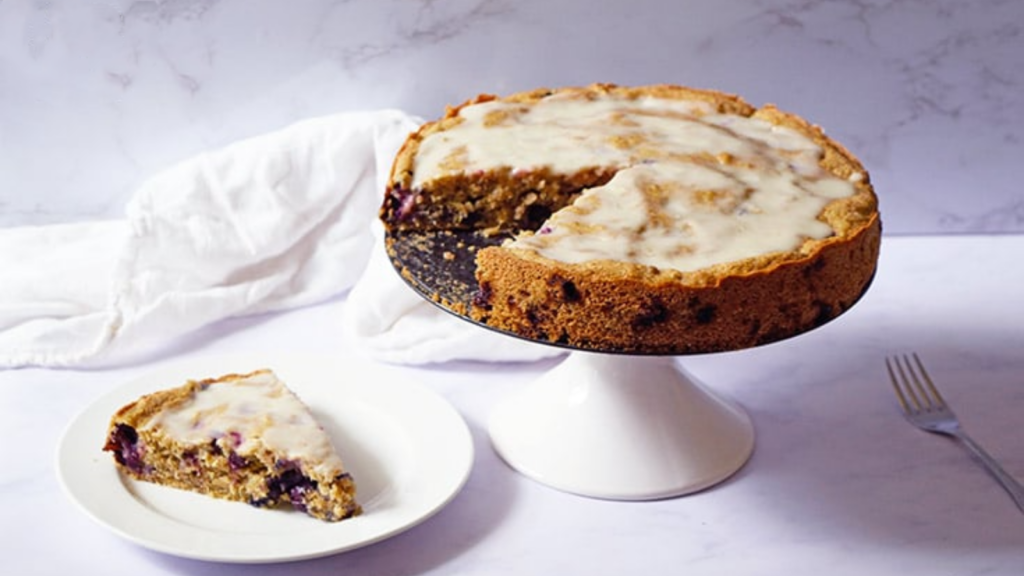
{"x":1009,"y":483}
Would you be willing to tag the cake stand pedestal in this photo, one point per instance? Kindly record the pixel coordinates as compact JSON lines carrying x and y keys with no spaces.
{"x":621,"y":427}
{"x":599,"y":424}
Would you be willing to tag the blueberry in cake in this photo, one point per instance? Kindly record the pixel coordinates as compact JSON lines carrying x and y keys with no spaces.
{"x":241,"y":437}
{"x":653,"y":219}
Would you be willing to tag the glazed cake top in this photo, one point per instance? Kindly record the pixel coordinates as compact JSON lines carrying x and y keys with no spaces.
{"x":252,"y":412}
{"x":693,"y":187}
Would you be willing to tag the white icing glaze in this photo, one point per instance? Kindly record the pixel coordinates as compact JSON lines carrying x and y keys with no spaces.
{"x":252,"y":413}
{"x":693,"y":187}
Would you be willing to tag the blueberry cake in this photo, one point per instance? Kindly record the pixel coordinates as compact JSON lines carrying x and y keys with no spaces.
{"x":241,"y":437}
{"x":653,"y":219}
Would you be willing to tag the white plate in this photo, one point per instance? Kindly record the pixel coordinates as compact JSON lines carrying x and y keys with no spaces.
{"x":409,"y":451}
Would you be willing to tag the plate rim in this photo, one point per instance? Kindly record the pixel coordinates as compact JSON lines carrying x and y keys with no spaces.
{"x":369,"y":528}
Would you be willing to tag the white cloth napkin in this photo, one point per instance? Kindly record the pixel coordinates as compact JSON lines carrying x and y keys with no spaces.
{"x":281,"y":220}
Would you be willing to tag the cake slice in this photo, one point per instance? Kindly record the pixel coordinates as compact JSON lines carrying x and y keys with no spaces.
{"x":241,"y":437}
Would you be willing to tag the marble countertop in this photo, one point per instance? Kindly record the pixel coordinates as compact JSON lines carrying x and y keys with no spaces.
{"x":838,"y":482}
{"x":97,"y":97}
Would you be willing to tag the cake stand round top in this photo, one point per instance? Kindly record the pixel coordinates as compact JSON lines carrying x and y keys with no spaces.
{"x":441,"y":267}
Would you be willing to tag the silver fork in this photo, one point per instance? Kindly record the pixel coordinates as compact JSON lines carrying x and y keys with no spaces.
{"x":925,"y":408}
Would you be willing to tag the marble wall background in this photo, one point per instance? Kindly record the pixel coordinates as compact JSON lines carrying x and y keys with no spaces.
{"x":96,"y":96}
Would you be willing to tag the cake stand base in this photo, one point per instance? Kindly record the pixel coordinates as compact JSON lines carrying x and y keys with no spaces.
{"x":621,"y":428}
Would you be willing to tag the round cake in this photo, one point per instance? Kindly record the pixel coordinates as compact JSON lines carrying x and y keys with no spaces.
{"x":656,"y":219}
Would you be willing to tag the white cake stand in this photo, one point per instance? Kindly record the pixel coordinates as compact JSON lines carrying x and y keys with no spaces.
{"x":621,"y":427}
{"x":601,"y":425}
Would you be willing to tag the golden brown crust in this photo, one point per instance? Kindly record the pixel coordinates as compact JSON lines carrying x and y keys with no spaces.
{"x":629,"y":307}
{"x":632,"y":309}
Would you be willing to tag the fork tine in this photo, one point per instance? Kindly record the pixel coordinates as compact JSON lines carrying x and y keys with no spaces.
{"x":896,"y":385}
{"x":913,"y":383}
{"x":915,"y":390}
{"x":907,"y":380}
{"x":936,"y":399}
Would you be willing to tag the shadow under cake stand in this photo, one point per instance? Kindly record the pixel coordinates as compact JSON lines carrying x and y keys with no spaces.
{"x":601,"y":423}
